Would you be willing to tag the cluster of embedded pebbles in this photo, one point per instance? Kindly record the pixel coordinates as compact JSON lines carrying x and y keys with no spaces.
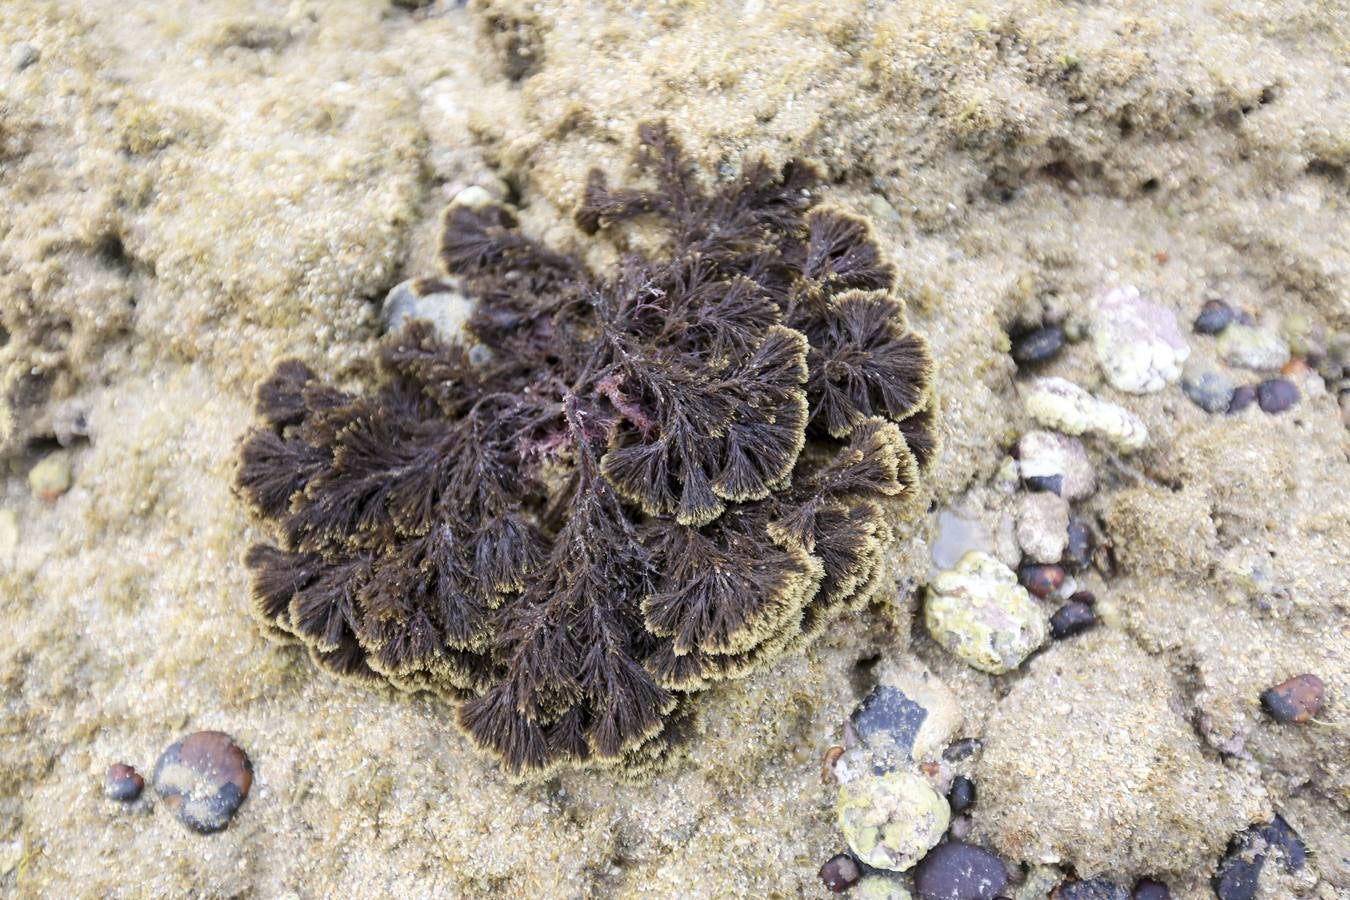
{"x":1000,"y":593}
{"x":201,"y":779}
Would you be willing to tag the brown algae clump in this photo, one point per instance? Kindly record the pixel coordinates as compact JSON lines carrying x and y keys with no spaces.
{"x":655,"y":479}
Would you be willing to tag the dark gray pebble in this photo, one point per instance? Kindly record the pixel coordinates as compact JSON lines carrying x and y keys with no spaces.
{"x":1276,"y":395}
{"x":1041,"y":483}
{"x":1091,"y":889}
{"x":1081,"y":543}
{"x":1148,"y":889}
{"x":1038,"y":344}
{"x":961,"y":795}
{"x":1041,"y":580}
{"x":886,"y":712}
{"x":1244,"y":395}
{"x":959,"y":871}
{"x":123,"y":783}
{"x":1240,"y":870}
{"x":962,"y":749}
{"x":1211,"y":391}
{"x":1083,"y":597}
{"x":1296,"y":700}
{"x":1070,"y":619}
{"x":202,"y":779}
{"x":840,"y":873}
{"x":1214,"y":317}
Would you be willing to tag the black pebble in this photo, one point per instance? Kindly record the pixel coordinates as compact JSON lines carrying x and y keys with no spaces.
{"x":1038,"y":344}
{"x":123,"y":783}
{"x":1276,"y":395}
{"x":1071,"y":619}
{"x":888,"y":714}
{"x":1041,"y":580}
{"x":1040,"y":483}
{"x":1092,"y":889}
{"x":959,"y":871}
{"x":1083,"y":597}
{"x":961,"y":795}
{"x":840,"y":873}
{"x":962,"y":749}
{"x":1148,"y":889}
{"x":1078,"y":552}
{"x":1243,"y":396}
{"x":1214,"y":317}
{"x":1240,"y":869}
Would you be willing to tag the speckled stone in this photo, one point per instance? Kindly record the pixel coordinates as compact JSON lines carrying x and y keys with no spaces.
{"x":1253,"y":347}
{"x":840,"y":873}
{"x":1138,"y":342}
{"x":1064,"y":406}
{"x":203,"y":779}
{"x":881,"y":887}
{"x":1239,"y":872}
{"x":1209,"y":389}
{"x":890,"y":821}
{"x":1043,"y":526}
{"x":1045,"y":454}
{"x":960,"y":871}
{"x":123,"y":783}
{"x":979,"y":612}
{"x":1079,"y":547}
{"x":1092,"y":889}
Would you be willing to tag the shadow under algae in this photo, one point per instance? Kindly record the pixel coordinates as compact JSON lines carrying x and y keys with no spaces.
{"x":657,"y":478}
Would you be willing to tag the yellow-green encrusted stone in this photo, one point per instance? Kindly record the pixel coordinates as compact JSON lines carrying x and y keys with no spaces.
{"x":979,"y":612}
{"x":890,"y":821}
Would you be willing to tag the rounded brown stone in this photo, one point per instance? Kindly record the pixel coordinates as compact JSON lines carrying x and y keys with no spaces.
{"x":123,"y":783}
{"x":1297,"y":700}
{"x":202,"y":779}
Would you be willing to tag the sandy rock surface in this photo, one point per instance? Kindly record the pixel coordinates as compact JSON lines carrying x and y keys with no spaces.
{"x":193,"y":190}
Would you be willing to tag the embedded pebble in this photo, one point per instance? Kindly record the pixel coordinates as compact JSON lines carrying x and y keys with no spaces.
{"x":438,"y":301}
{"x":890,"y":821}
{"x":1239,"y":872}
{"x":1276,"y":395}
{"x":202,"y":779}
{"x":907,"y":717}
{"x":1071,"y":619}
{"x":979,"y":612}
{"x":1079,"y":545}
{"x":958,"y":534}
{"x":840,"y":873}
{"x":1148,"y":889}
{"x":1243,"y":396}
{"x":960,"y":871}
{"x":1037,"y":345}
{"x":1214,"y":317}
{"x":123,"y":783}
{"x":1092,"y":889}
{"x":1138,"y":343}
{"x":1046,"y":455}
{"x":962,"y":749}
{"x":1208,"y":389}
{"x":961,"y":795}
{"x":1296,"y":700}
{"x":50,"y":478}
{"x":1041,"y":580}
{"x":1064,"y":406}
{"x":880,"y":887}
{"x":1253,"y":347}
{"x":1043,"y":526}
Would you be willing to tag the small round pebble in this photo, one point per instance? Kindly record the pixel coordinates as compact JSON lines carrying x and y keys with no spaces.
{"x":1071,"y":619}
{"x":1041,"y":580}
{"x":1148,"y":889}
{"x":840,"y":873}
{"x":1244,"y":395}
{"x":1083,"y":597}
{"x":1276,"y":395}
{"x":1092,"y":889}
{"x":1079,"y":546}
{"x":1214,"y":317}
{"x":1211,"y":391}
{"x":959,"y":871}
{"x":1053,"y":484}
{"x":123,"y":783}
{"x":961,"y":795}
{"x":202,"y":779}
{"x":1038,"y":344}
{"x":1297,"y":700}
